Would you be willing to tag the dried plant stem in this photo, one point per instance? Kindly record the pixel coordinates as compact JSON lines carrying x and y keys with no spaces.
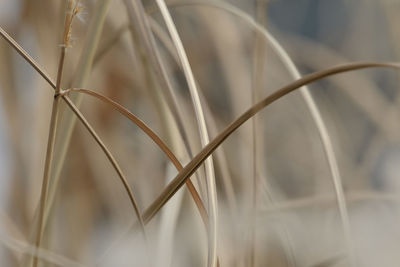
{"x":156,"y":139}
{"x":138,"y":19}
{"x":220,"y":157}
{"x":44,"y":74}
{"x":210,"y":176}
{"x":110,"y":158}
{"x":13,"y":239}
{"x":84,"y":67}
{"x":26,"y":56}
{"x":194,"y":164}
{"x":49,"y":155}
{"x":258,"y":70}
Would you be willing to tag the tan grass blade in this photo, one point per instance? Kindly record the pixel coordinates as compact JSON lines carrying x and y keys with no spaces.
{"x":44,"y":74}
{"x":322,"y":130}
{"x":138,"y":18}
{"x":156,"y":139}
{"x":210,"y":176}
{"x":26,"y":56}
{"x":257,"y":86}
{"x":53,"y":130}
{"x":81,"y":77}
{"x":109,"y":156}
{"x":165,"y":40}
{"x":193,"y":165}
{"x":14,"y":240}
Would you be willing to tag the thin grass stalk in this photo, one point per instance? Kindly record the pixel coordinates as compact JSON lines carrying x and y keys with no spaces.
{"x":61,"y":94}
{"x":82,"y":75}
{"x":210,"y":176}
{"x":220,"y":156}
{"x":26,"y":56}
{"x":311,"y":105}
{"x":168,"y":224}
{"x":322,"y":130}
{"x":46,"y":175}
{"x":110,"y":158}
{"x":194,"y":164}
{"x":327,"y":145}
{"x":155,"y":138}
{"x":43,"y":254}
{"x":13,"y":239}
{"x":102,"y":51}
{"x":138,"y":19}
{"x":258,"y":70}
{"x":71,"y":7}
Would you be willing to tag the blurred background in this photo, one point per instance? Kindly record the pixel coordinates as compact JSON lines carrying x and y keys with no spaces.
{"x":277,"y":203}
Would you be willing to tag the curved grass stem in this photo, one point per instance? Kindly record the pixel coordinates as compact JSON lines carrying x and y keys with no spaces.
{"x":156,"y":139}
{"x":311,"y":105}
{"x":210,"y":176}
{"x":44,"y":74}
{"x":194,"y":164}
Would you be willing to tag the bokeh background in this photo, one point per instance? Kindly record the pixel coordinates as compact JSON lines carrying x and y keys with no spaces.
{"x":276,"y":199}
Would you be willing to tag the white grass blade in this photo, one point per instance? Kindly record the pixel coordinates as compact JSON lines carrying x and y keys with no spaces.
{"x":322,"y":130}
{"x":169,"y":217}
{"x":210,"y":176}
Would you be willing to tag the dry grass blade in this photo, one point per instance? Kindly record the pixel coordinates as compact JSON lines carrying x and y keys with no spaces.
{"x":311,"y":105}
{"x":83,"y":70}
{"x":257,"y":86}
{"x":194,"y":164}
{"x":220,"y":157}
{"x":26,"y":56}
{"x":43,"y":254}
{"x":72,"y":10}
{"x":156,"y":139}
{"x":31,"y":61}
{"x":110,"y":158}
{"x":46,"y":174}
{"x":210,"y":176}
{"x":14,"y":240}
{"x":137,"y":17}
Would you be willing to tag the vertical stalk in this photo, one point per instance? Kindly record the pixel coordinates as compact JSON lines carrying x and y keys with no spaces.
{"x":68,"y":119}
{"x":72,"y":10}
{"x":49,"y":155}
{"x":258,"y":69}
{"x":203,"y":131}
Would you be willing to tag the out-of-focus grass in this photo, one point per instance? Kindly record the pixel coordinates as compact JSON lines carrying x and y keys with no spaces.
{"x":190,"y":74}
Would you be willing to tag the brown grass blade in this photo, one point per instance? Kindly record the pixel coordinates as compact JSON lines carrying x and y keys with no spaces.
{"x":137,"y":17}
{"x":53,"y":130}
{"x":203,"y":131}
{"x":44,"y":74}
{"x":156,"y":139}
{"x":193,"y":165}
{"x":26,"y":56}
{"x":109,"y":156}
{"x":220,"y":157}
